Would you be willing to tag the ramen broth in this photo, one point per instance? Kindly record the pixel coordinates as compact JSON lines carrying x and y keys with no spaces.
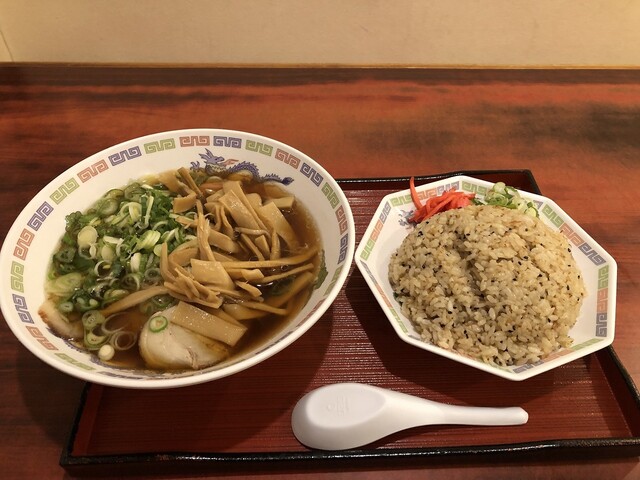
{"x":259,"y":330}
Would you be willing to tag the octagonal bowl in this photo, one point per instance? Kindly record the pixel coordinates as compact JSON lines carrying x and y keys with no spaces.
{"x":594,"y":328}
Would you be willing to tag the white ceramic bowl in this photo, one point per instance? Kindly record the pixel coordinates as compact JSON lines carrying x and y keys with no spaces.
{"x":30,"y":242}
{"x":595,"y":326}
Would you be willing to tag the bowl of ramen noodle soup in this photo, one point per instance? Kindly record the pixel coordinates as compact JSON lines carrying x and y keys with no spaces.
{"x":176,"y":258}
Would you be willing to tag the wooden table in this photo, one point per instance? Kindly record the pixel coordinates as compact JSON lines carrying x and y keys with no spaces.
{"x":578,"y":132}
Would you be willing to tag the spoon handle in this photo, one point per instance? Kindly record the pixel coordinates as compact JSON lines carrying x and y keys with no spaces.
{"x":459,"y":415}
{"x":436,"y":413}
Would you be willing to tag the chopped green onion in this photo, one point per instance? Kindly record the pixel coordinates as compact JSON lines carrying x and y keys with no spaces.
{"x":152,"y":276}
{"x":158,"y":323}
{"x":107,"y":206}
{"x":65,"y":268}
{"x":147,"y":215}
{"x":108,"y":253}
{"x":65,"y":307}
{"x":68,"y":240}
{"x":117,"y":269}
{"x":156,"y":304}
{"x":115,"y":193}
{"x":160,"y":224}
{"x":106,"y":352}
{"x":85,"y":303}
{"x":497,"y":199}
{"x":87,"y":237}
{"x":510,"y":191}
{"x":135,"y":262}
{"x":92,"y":319}
{"x":499,"y":187}
{"x":114,"y":247}
{"x":123,"y":340}
{"x":82,"y":263}
{"x":66,"y":284}
{"x":98,"y":290}
{"x":65,"y":254}
{"x":114,"y":294}
{"x":93,"y":341}
{"x":148,"y":240}
{"x":532,"y":212}
{"x":168,"y":236}
{"x":135,"y":211}
{"x":133,"y":191}
{"x":93,"y":251}
{"x":113,"y":324}
{"x":162,"y":301}
{"x":112,"y":240}
{"x":509,"y":197}
{"x":132,"y":281}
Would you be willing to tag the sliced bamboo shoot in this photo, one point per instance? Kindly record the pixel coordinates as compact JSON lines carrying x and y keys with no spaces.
{"x":262,"y":244}
{"x":170,"y":180}
{"x":188,"y":180}
{"x":301,"y":282}
{"x":255,"y":251}
{"x":182,"y":256}
{"x":134,"y":299}
{"x":166,"y":270}
{"x":238,"y":211}
{"x":244,"y":274}
{"x":253,"y":291}
{"x":276,"y":251}
{"x":283,"y":203}
{"x":293,"y":260}
{"x":273,"y":218}
{"x":288,"y":273}
{"x":223,"y":242}
{"x":236,"y":188}
{"x":211,"y":272}
{"x":182,"y":204}
{"x":206,"y":324}
{"x":240,"y":312}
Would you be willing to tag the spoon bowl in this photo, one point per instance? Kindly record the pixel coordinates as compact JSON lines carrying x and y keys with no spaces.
{"x":349,"y":415}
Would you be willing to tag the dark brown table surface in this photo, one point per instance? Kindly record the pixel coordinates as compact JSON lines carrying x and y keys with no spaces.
{"x":578,"y":131}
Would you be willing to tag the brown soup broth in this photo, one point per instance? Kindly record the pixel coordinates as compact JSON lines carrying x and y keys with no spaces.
{"x":260,"y":330}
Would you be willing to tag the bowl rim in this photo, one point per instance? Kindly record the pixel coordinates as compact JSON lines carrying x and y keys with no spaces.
{"x":198,"y":376}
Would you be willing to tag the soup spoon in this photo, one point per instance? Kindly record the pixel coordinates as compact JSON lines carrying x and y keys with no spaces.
{"x":350,"y":415}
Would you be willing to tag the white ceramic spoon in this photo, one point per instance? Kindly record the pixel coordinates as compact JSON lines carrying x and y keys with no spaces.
{"x":349,"y":415}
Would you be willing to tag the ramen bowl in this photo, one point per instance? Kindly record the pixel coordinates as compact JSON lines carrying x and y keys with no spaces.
{"x":35,"y":234}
